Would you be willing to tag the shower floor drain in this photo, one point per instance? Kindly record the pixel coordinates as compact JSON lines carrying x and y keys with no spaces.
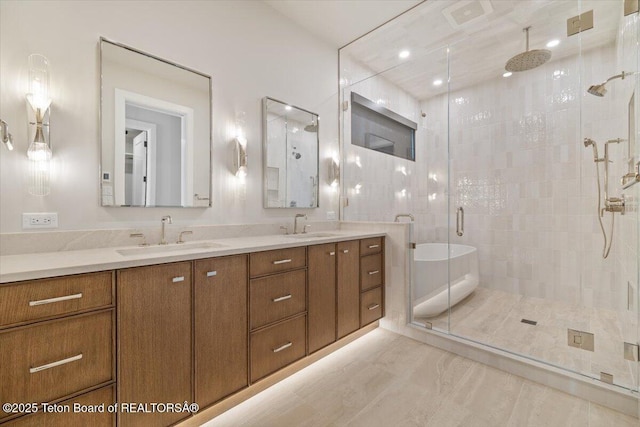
{"x":529,"y":322}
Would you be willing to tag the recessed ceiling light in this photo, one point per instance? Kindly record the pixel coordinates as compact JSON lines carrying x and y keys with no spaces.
{"x":437,"y":82}
{"x":287,"y":107}
{"x":507,"y":74}
{"x":553,"y":43}
{"x":404,"y":54}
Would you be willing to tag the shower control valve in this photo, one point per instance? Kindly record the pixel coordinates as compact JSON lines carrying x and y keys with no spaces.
{"x":615,"y":204}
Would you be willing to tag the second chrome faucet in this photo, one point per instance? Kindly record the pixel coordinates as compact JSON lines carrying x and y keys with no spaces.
{"x":295,"y":223}
{"x":165,"y":220}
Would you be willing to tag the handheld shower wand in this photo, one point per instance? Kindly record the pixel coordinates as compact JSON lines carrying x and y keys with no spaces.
{"x":588,"y":142}
{"x":611,"y":204}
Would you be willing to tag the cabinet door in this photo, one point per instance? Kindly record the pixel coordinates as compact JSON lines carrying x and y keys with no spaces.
{"x":322,"y":296}
{"x":154,"y":340}
{"x":348,"y":287}
{"x":220,"y":327}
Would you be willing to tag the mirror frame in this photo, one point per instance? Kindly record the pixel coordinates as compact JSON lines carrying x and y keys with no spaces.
{"x":265,"y":201}
{"x":196,"y":197}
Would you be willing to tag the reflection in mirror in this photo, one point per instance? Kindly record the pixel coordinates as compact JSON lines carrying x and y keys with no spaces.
{"x":156,"y":131}
{"x":290,"y":154}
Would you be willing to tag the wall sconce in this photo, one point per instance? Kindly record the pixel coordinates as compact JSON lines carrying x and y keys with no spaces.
{"x":39,"y":152}
{"x":334,"y":172}
{"x":5,"y":135}
{"x":240,"y":158}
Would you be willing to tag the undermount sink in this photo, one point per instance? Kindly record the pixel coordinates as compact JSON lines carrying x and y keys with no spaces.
{"x":172,"y":248}
{"x":311,"y":235}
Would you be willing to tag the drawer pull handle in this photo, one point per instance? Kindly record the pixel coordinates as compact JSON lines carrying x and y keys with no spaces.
{"x":374,"y":272}
{"x":373,"y":307}
{"x":54,"y":364}
{"x":52,"y":300}
{"x":178,"y":279}
{"x":282,"y":261}
{"x":345,"y":251}
{"x":332,"y":253}
{"x":282,"y":347}
{"x":211,"y":273}
{"x":282,"y":298}
{"x":373,"y":246}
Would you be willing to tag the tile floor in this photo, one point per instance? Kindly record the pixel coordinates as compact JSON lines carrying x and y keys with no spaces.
{"x":476,"y":317}
{"x":385,"y":379}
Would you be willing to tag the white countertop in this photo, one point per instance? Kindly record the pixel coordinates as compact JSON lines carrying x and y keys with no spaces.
{"x":51,"y":264}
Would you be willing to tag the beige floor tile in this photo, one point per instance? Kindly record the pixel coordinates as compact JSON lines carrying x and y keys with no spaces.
{"x":384,"y":379}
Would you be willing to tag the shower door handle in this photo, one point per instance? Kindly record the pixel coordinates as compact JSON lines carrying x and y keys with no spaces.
{"x":460,"y":221}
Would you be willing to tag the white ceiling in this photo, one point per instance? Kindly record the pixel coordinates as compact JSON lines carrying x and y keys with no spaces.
{"x":341,"y":21}
{"x":479,"y":48}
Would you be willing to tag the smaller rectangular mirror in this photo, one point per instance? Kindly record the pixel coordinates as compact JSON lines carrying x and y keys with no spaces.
{"x":290,"y":155}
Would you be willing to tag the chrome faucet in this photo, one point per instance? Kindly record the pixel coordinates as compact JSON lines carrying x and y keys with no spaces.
{"x":165,"y":220}
{"x":295,"y":222}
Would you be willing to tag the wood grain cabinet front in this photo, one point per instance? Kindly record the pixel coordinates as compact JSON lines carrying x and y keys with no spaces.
{"x":50,"y":360}
{"x":370,"y":306}
{"x":276,"y":261}
{"x":41,"y":299}
{"x":277,"y":346}
{"x":322,"y":296}
{"x":220,"y":287}
{"x":78,"y":412}
{"x":276,"y":297}
{"x":371,"y":271}
{"x":370,"y":246}
{"x":154,"y":340}
{"x":348,"y":273}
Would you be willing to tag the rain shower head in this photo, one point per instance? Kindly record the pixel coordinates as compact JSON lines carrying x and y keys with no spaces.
{"x":529,"y":59}
{"x":311,"y":128}
{"x":600,"y":90}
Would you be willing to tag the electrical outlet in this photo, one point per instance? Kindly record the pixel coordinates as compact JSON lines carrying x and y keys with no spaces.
{"x":40,"y":220}
{"x":331,"y":216}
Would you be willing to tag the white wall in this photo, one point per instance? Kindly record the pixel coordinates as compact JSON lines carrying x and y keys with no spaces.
{"x":250,"y":50}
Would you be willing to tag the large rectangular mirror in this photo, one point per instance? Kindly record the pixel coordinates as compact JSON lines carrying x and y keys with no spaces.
{"x":156,"y":131}
{"x":290,"y":156}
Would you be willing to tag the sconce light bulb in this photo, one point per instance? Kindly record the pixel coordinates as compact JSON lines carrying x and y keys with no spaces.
{"x":39,"y":151}
{"x":242,"y":172}
{"x":9,"y":143}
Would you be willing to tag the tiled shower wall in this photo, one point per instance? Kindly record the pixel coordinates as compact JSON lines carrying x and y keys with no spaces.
{"x":517,"y":165}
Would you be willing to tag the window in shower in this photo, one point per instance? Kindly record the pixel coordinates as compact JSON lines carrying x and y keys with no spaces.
{"x":380,"y":129}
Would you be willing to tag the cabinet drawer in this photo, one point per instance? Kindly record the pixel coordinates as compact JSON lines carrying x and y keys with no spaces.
{"x":273,"y":298}
{"x":370,"y":306}
{"x":40,"y":299}
{"x":103,"y":396}
{"x":268,"y":262}
{"x":50,"y":360}
{"x":277,"y":346}
{"x":371,"y":272}
{"x":371,"y":246}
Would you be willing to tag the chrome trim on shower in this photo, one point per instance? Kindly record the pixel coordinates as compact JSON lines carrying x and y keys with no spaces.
{"x":611,"y":204}
{"x":460,"y":221}
{"x":405,"y":215}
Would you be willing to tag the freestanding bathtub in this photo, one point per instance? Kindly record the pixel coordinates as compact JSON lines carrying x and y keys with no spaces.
{"x":432,"y":271}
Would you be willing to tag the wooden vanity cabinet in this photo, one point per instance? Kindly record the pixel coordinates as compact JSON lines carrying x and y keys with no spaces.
{"x":154,"y":340}
{"x":57,"y":340}
{"x":220,"y":327}
{"x":322,"y":295}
